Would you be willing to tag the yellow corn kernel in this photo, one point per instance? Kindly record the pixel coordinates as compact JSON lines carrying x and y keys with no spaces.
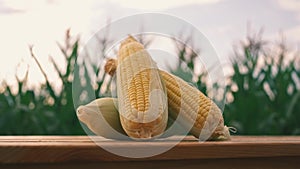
{"x":141,"y":94}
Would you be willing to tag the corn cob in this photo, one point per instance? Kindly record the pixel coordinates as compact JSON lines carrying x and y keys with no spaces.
{"x":197,"y":109}
{"x":141,"y":94}
{"x":102,"y":118}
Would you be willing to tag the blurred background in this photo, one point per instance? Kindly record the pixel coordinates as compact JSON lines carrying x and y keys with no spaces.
{"x":257,"y":41}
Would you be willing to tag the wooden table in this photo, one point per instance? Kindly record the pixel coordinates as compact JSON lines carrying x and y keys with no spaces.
{"x":81,"y":152}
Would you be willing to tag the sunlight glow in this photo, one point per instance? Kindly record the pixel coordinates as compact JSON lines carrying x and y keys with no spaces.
{"x":40,"y":24}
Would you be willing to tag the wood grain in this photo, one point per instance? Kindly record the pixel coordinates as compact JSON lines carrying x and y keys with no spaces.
{"x":69,"y":150}
{"x":244,"y":163}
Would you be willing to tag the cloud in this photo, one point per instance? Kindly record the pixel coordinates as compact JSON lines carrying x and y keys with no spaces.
{"x":159,"y":4}
{"x":4,"y":9}
{"x":225,"y":23}
{"x":293,"y":5}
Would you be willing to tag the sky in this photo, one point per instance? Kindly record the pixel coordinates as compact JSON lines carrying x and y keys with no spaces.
{"x":42,"y":23}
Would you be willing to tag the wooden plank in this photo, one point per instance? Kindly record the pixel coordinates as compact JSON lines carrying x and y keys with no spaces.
{"x":69,"y":149}
{"x":235,"y":163}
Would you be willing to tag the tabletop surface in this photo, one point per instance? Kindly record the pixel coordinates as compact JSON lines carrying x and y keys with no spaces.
{"x":53,"y":149}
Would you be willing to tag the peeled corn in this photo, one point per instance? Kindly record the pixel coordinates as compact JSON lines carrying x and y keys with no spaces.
{"x":141,"y":94}
{"x":196,"y":109}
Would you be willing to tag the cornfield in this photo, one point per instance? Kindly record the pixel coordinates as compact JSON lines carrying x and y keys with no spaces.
{"x":262,"y":91}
